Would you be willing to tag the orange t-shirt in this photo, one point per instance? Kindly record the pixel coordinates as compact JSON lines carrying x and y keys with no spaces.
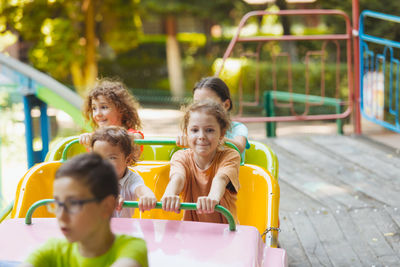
{"x":198,"y":182}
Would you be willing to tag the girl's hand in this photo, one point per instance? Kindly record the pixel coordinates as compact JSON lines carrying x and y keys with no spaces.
{"x":171,"y":203}
{"x":182,"y":141}
{"x":206,"y":205}
{"x":85,"y":139}
{"x":147,"y":203}
{"x":120,"y":203}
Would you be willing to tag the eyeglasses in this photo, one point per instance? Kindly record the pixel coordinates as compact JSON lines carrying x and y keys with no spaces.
{"x":70,"y":206}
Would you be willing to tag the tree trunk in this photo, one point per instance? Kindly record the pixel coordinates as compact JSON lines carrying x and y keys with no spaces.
{"x":174,"y":66}
{"x":90,"y":69}
{"x":84,"y":76}
{"x":77,"y":78}
{"x":288,"y":46}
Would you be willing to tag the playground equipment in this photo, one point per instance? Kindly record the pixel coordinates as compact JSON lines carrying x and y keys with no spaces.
{"x":178,"y":243}
{"x":39,"y":90}
{"x":162,"y":150}
{"x":379,"y":90}
{"x":270,"y":98}
{"x":258,"y":210}
{"x":337,"y":99}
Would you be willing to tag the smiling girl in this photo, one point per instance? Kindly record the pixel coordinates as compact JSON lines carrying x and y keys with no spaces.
{"x":207,"y":173}
{"x":213,"y":88}
{"x":110,"y":103}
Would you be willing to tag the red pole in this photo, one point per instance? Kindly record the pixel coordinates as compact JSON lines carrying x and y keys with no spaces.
{"x":356,"y":48}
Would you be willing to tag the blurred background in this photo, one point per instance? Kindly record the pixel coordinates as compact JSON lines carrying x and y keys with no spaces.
{"x":159,"y":49}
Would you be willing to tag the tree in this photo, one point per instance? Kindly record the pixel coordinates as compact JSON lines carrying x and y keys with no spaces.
{"x":68,"y":36}
{"x":374,"y":27}
{"x":169,"y":10}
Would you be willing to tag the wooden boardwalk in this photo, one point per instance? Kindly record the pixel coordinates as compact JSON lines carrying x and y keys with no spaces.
{"x":340,"y":201}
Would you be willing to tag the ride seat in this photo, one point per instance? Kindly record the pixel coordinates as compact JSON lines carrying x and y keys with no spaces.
{"x":257,"y":204}
{"x":36,"y":184}
{"x":258,"y":153}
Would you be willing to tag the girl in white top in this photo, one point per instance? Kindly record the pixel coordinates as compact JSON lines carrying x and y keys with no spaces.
{"x":114,"y":144}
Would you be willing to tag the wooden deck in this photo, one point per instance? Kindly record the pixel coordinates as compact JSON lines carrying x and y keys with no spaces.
{"x":340,"y":201}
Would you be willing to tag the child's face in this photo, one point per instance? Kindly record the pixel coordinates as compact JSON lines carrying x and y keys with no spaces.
{"x":105,"y":113}
{"x":82,"y":221}
{"x":114,"y":154}
{"x":206,"y":93}
{"x":204,"y":134}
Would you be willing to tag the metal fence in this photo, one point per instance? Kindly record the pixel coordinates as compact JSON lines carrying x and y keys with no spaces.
{"x":339,"y":40}
{"x":379,"y":74}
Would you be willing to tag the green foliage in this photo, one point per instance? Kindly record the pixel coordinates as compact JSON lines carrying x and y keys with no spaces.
{"x":56,"y":30}
{"x":222,"y":10}
{"x":120,"y":24}
{"x":299,"y":76}
{"x":375,"y":27}
{"x":144,"y":67}
{"x":57,"y":48}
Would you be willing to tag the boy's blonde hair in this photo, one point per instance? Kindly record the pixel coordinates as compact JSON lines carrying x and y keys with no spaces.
{"x":117,"y":136}
{"x":116,"y":92}
{"x":211,"y":108}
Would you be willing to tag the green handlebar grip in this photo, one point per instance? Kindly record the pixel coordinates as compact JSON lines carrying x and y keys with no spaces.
{"x":191,"y":206}
{"x":31,"y":210}
{"x":155,"y":142}
{"x":65,"y":151}
{"x":135,"y":204}
{"x":4,"y":213}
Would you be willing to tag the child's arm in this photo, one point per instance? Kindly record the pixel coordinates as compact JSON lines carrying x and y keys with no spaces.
{"x":86,"y":139}
{"x":147,"y":199}
{"x":182,"y":141}
{"x":120,"y":203}
{"x":207,"y":204}
{"x":239,"y":141}
{"x":126,"y":262}
{"x":137,"y":135}
{"x":170,"y":199}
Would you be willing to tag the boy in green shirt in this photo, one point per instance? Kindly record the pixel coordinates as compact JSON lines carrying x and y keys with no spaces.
{"x":85,"y":193}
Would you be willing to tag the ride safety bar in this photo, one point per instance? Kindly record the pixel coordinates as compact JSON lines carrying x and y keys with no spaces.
{"x":135,"y":204}
{"x":147,"y":142}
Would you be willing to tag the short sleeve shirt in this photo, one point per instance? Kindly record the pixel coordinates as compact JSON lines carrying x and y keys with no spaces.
{"x":127,"y":189}
{"x":238,"y":129}
{"x":198,"y":182}
{"x":60,"y":253}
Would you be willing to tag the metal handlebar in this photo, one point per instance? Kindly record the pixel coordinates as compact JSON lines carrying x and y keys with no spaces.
{"x":147,"y":142}
{"x":135,"y":204}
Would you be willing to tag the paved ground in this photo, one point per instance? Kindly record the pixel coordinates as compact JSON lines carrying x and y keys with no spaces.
{"x":339,"y":200}
{"x":166,"y":123}
{"x":339,"y":194}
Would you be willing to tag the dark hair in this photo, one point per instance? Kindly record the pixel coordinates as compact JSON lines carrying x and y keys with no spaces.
{"x":116,"y":92}
{"x":211,"y":108}
{"x":93,"y":171}
{"x":116,"y":136}
{"x":216,"y":85}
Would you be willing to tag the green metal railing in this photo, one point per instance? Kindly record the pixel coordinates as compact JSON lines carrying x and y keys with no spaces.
{"x":6,"y":211}
{"x":271,"y":96}
{"x":135,"y":204}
